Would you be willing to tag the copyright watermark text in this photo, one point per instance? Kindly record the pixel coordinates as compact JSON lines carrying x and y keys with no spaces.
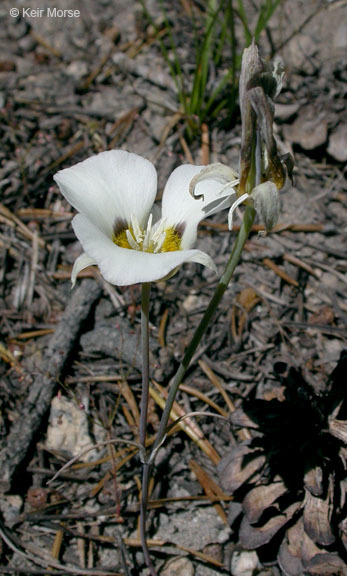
{"x":44,"y":13}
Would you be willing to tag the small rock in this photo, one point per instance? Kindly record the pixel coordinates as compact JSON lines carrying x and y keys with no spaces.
{"x":178,"y":567}
{"x":191,"y":303}
{"x":68,"y":429}
{"x":10,"y":507}
{"x":77,"y":69}
{"x":214,"y":551}
{"x":285,"y":111}
{"x":337,"y":146}
{"x":194,"y":529}
{"x":27,"y":43}
{"x":244,"y":563}
{"x":310,"y":129}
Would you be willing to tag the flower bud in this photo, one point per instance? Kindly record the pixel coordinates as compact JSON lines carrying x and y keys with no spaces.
{"x":267,"y":203}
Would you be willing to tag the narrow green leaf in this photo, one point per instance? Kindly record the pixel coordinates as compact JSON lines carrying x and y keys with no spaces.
{"x":266,"y":12}
{"x":243,"y":17}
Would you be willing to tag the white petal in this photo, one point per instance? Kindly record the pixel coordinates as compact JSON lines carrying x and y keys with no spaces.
{"x":237,"y":202}
{"x":219,"y":172}
{"x":123,"y":267}
{"x":80,"y":264}
{"x":179,"y":207}
{"x":156,"y":213}
{"x":202,"y":258}
{"x":111,"y":185}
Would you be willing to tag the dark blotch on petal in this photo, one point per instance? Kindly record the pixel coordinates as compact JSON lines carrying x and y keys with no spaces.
{"x":119,"y":225}
{"x":180,"y":228}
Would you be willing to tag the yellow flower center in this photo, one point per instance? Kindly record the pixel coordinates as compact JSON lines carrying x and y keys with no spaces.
{"x":153,"y":240}
{"x":121,"y":239}
{"x":172,"y":241}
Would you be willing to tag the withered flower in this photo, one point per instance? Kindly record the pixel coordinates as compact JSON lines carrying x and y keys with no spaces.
{"x":289,"y":479}
{"x":259,"y":86}
{"x":262,"y":170}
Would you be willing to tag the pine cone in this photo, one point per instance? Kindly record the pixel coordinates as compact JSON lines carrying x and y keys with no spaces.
{"x":289,"y":480}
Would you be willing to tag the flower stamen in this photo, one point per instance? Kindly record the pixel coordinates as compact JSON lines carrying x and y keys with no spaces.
{"x":158,"y":236}
{"x":138,"y":233}
{"x":132,"y":242}
{"x":147,"y":237}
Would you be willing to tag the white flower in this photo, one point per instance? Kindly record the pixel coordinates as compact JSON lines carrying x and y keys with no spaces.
{"x":264,"y":197}
{"x":119,"y":227}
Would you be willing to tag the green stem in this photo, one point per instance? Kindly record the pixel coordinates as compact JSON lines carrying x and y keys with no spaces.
{"x":222,"y":285}
{"x":145,"y":295}
{"x":146,"y":474}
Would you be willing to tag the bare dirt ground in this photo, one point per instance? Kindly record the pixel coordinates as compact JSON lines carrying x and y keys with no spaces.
{"x":261,"y":492}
